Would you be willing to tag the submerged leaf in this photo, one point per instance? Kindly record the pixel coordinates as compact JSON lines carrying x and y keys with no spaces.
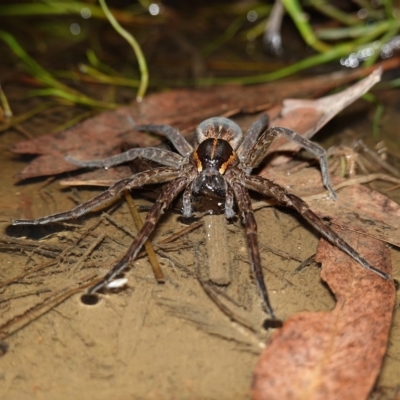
{"x":336,"y":354}
{"x":103,"y":135}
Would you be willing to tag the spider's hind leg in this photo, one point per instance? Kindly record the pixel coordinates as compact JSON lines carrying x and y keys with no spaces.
{"x":268,"y":188}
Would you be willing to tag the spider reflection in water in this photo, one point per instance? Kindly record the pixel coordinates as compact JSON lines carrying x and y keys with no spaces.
{"x":222,"y":161}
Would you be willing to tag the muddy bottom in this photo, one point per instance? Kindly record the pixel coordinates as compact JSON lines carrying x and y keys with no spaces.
{"x":182,"y":339}
{"x":146,"y":340}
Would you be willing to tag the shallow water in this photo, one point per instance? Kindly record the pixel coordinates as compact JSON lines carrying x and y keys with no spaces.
{"x":150,"y":340}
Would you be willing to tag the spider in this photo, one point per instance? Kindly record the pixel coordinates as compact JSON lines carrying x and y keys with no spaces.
{"x":221,"y":162}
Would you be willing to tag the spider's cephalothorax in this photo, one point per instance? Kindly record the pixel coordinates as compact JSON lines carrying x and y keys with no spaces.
{"x":222,"y":163}
{"x":211,"y":158}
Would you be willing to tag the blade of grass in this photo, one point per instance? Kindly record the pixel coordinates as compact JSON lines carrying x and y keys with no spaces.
{"x":34,"y":68}
{"x":18,"y":119}
{"x":100,"y":77}
{"x":384,"y":40}
{"x":73,"y":7}
{"x":331,"y":11}
{"x":306,"y":31}
{"x":378,"y":114}
{"x":334,"y":53}
{"x":55,"y":87}
{"x":96,"y":63}
{"x":7,"y":112}
{"x":225,"y":37}
{"x":359,"y":31}
{"x":73,"y":98}
{"x":144,"y":81}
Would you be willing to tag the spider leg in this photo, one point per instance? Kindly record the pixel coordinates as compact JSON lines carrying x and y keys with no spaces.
{"x":163,"y":174}
{"x":229,"y":202}
{"x":268,"y":188}
{"x":172,"y":134}
{"x":244,"y":204}
{"x":161,"y":156}
{"x":187,"y":201}
{"x":167,"y":196}
{"x":251,"y":136}
{"x":259,"y":151}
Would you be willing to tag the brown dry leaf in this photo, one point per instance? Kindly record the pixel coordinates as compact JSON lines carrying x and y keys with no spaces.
{"x":103,"y":135}
{"x":307,"y":117}
{"x":337,"y":354}
{"x":357,"y":208}
{"x":363,"y":211}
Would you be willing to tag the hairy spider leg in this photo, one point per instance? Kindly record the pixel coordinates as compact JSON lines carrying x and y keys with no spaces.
{"x":164,"y":200}
{"x":268,"y":188}
{"x":164,"y":157}
{"x":162,"y":174}
{"x":172,"y":134}
{"x":187,"y":201}
{"x":252,"y":134}
{"x":259,"y":151}
{"x":229,"y":202}
{"x":244,"y":204}
{"x":161,"y":156}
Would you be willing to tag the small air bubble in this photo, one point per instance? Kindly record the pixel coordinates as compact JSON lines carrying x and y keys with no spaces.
{"x":252,"y":16}
{"x":362,"y":13}
{"x":75,"y":29}
{"x":86,"y":13}
{"x":154,"y":9}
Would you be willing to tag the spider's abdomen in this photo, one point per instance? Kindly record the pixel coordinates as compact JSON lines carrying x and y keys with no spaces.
{"x":214,"y":156}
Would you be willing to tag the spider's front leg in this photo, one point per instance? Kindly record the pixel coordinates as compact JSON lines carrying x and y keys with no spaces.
{"x":161,"y":156}
{"x":268,"y":188}
{"x":163,"y":174}
{"x":172,"y":134}
{"x":165,"y":199}
{"x":259,"y":151}
{"x":252,"y":134}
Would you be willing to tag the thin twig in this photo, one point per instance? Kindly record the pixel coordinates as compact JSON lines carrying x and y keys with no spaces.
{"x":149,"y":248}
{"x":182,"y":232}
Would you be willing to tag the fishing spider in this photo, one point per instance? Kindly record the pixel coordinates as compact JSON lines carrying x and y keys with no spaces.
{"x":222,"y":162}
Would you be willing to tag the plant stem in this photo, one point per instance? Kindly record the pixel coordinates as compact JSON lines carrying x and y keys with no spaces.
{"x":144,"y":81}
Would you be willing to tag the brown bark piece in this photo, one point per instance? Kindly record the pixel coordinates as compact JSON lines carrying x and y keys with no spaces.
{"x":337,"y":354}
